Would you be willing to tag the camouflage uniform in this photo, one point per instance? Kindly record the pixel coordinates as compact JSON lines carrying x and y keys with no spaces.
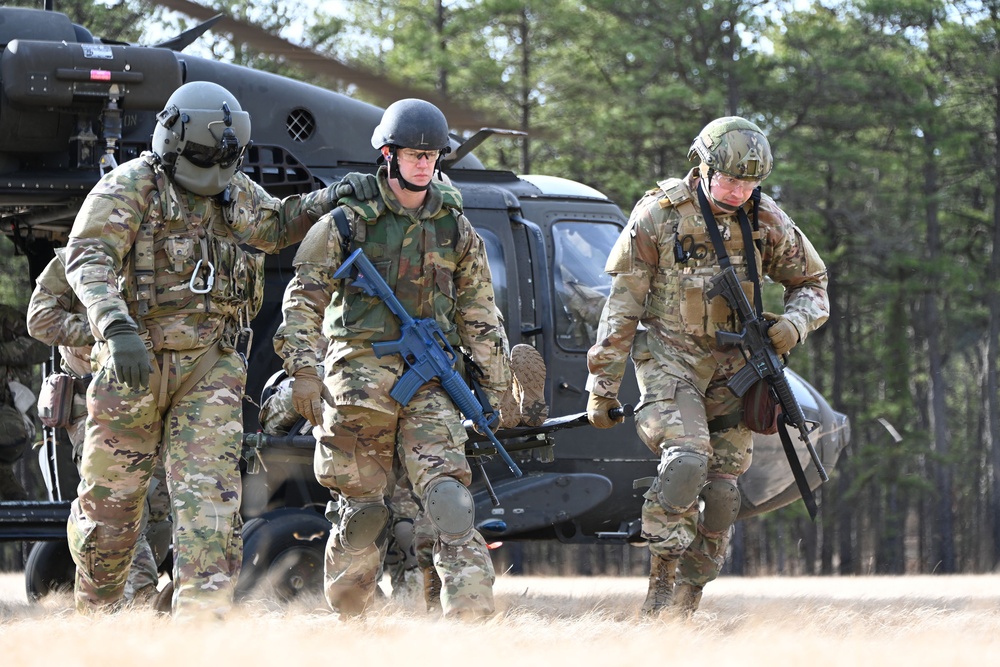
{"x":56,"y":317}
{"x":19,"y":354}
{"x":139,"y":253}
{"x":436,"y":264}
{"x":681,"y":371}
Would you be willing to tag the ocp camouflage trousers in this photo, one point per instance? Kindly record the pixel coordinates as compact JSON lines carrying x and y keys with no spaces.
{"x":354,"y":458}
{"x":199,"y":441}
{"x":680,"y":424}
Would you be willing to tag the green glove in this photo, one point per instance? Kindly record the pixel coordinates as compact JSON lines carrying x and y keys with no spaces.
{"x":361,"y":186}
{"x":129,"y":356}
{"x":308,"y":394}
{"x":783,"y":334}
{"x":599,"y":411}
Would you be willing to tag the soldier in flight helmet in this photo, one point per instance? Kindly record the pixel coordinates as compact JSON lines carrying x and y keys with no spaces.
{"x":661,"y":269}
{"x":201,"y":136}
{"x":166,"y":256}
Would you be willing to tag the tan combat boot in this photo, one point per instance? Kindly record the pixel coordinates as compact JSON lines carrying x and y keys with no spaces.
{"x":432,"y":589}
{"x":687,"y":597}
{"x":528,"y":386}
{"x":662,"y":572}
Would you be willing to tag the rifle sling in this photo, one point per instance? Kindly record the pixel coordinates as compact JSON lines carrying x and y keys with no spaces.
{"x":749,"y":248}
{"x":797,"y":472}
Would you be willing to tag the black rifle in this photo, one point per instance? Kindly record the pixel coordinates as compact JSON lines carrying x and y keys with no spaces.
{"x":424,"y":348}
{"x":763,"y":363}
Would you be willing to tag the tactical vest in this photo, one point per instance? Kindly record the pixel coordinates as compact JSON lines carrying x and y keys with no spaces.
{"x":181,"y":264}
{"x":678,"y":293}
{"x":417,"y":261}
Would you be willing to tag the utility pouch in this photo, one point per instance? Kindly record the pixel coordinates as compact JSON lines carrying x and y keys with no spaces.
{"x":55,"y":400}
{"x":760,"y":408}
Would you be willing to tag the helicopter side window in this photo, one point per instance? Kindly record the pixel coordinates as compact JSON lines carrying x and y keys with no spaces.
{"x":581,"y":285}
{"x":498,"y":269}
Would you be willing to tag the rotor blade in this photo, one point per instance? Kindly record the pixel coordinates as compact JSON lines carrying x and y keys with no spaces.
{"x":326,"y":67}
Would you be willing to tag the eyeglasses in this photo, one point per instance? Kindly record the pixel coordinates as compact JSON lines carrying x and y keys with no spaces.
{"x":730,"y":184}
{"x":411,"y":156}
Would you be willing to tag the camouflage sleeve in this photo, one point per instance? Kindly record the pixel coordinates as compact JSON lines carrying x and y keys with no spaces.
{"x":300,"y":340}
{"x":52,"y":317}
{"x":631,"y":264}
{"x":477,"y":316}
{"x":102,"y":236}
{"x":790,"y":259}
{"x":269,"y":223}
{"x":17,"y":348}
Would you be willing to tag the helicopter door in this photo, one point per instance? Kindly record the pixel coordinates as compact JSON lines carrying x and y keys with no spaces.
{"x":581,"y":286}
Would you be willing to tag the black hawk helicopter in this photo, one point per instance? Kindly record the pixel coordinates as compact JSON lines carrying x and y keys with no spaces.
{"x":72,"y":105}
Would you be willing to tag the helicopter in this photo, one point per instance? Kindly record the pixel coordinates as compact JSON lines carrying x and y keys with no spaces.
{"x":73,"y":106}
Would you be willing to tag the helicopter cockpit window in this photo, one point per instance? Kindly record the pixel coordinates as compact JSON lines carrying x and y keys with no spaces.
{"x":494,"y":255}
{"x":581,"y":285}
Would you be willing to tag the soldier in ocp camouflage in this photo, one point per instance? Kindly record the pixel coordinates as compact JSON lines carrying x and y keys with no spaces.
{"x":659,"y":311}
{"x":56,"y":317}
{"x":157,"y":256}
{"x":20,"y":354}
{"x":416,"y":235}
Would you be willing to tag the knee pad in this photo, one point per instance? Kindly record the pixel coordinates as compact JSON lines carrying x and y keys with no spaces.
{"x":450,"y":507}
{"x":680,"y":478}
{"x":722,"y":504}
{"x":359,"y":522}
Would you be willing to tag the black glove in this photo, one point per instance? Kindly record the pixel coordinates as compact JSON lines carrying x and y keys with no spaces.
{"x":361,"y":186}
{"x":129,"y":356}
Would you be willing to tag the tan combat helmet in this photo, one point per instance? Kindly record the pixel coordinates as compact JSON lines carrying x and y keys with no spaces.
{"x":733,"y":146}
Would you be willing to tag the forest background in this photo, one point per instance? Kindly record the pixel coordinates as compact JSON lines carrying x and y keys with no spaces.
{"x":883,"y":116}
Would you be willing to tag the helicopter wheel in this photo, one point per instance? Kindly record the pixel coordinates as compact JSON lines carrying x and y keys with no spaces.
{"x":49,"y":569}
{"x":283,"y":554}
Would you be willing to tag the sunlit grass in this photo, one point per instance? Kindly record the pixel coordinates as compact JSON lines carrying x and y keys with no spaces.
{"x":548,"y":621}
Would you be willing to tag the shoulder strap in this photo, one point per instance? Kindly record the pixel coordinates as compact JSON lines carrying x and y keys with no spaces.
{"x":344,"y":227}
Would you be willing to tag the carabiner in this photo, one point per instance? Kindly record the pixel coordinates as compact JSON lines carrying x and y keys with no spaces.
{"x":209,"y":282}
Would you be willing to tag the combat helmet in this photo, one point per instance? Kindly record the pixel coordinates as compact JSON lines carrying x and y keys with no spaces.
{"x":201,"y":136}
{"x":411,"y":123}
{"x":733,"y":146}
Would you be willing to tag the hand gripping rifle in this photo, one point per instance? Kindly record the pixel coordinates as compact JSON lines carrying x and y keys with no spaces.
{"x":424,"y":348}
{"x":762,"y":362}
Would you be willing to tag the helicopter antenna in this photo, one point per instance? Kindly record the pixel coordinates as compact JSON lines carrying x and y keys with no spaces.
{"x":185,"y":39}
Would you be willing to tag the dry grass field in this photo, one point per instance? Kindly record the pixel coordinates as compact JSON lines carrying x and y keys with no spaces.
{"x":917,"y":620}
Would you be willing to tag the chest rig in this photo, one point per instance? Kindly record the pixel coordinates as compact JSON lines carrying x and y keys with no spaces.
{"x":697,"y":249}
{"x":417,"y":259}
{"x":187,"y":262}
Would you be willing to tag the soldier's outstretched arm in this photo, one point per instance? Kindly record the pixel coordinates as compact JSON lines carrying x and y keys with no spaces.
{"x":299,"y":340}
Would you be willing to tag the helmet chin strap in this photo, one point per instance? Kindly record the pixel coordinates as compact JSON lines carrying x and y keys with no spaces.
{"x":706,"y":186}
{"x":395,"y":173}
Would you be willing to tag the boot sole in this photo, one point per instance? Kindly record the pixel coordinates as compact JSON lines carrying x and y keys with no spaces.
{"x":528,"y":369}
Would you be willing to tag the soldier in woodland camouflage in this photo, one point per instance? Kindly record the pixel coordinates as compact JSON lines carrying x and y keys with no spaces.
{"x":157,"y":256}
{"x":56,"y":317}
{"x":416,"y":235}
{"x":659,"y":311}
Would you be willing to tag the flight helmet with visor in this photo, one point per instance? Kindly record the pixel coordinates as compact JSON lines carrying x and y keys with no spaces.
{"x":201,"y":136}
